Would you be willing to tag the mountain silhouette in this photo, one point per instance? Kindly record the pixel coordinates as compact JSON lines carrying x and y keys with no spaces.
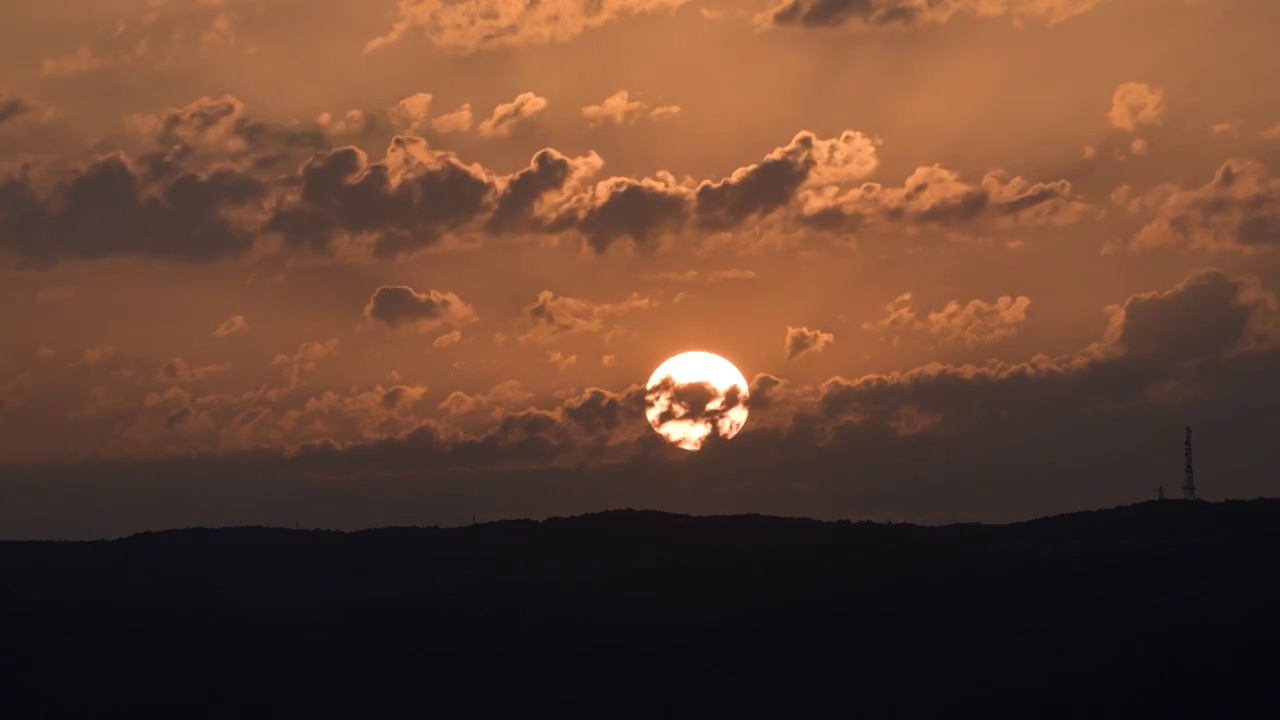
{"x":1160,"y":609}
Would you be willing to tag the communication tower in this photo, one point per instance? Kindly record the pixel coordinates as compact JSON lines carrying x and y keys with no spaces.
{"x":1160,"y":493}
{"x":1189,"y":483}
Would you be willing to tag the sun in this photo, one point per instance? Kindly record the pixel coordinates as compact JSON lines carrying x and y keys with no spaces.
{"x":694,"y":395}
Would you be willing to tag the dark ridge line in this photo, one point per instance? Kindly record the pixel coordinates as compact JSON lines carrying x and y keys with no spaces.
{"x":587,"y":520}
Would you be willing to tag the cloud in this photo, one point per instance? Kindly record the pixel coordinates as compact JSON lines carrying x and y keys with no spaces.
{"x":306,"y":359}
{"x":801,"y":341}
{"x":483,"y":24}
{"x":112,"y":207}
{"x":878,"y":14}
{"x":974,"y":323}
{"x":620,"y":109}
{"x":211,"y":190}
{"x":507,"y":117}
{"x":231,"y":326}
{"x":350,"y":123}
{"x":77,"y":62}
{"x":693,"y":276}
{"x":175,"y":418}
{"x":178,"y":370}
{"x":12,"y":107}
{"x":453,"y":337}
{"x":406,"y":202}
{"x":979,"y":322}
{"x":550,"y":174}
{"x":683,"y":276}
{"x":1237,"y":211}
{"x":458,"y":121}
{"x":560,"y":360}
{"x":507,"y":395}
{"x":618,"y":209}
{"x":97,"y":354}
{"x":1159,"y":348}
{"x":642,"y":210}
{"x":806,"y":162}
{"x":218,"y":131}
{"x":552,"y":316}
{"x":902,"y":316}
{"x":212,"y":131}
{"x":402,"y":308}
{"x":1271,"y":133}
{"x":935,"y":195}
{"x":1135,"y":104}
{"x":157,"y":35}
{"x":730,"y":275}
{"x":411,"y":115}
{"x":1150,"y":339}
{"x":366,"y":415}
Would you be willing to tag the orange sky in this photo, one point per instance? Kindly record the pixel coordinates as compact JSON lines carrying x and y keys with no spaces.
{"x":365,"y":263}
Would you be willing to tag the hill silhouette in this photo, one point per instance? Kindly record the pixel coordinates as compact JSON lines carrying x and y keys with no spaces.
{"x":1161,"y":608}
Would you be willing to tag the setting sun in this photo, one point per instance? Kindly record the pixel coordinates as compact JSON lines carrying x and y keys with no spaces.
{"x":693,"y":395}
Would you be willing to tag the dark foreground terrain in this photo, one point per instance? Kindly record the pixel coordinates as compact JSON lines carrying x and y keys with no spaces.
{"x":1152,"y":610}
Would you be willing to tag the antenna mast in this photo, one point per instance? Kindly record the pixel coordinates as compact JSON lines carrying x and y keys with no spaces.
{"x":1189,"y":484}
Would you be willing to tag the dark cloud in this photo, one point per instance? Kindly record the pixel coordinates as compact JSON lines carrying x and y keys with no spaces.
{"x":757,"y":190}
{"x":108,"y":208}
{"x":801,"y":341}
{"x":830,"y":13}
{"x":628,"y":209}
{"x":468,"y":27}
{"x":598,"y":410}
{"x":197,"y":121}
{"x":1238,"y":211}
{"x":1208,"y":314}
{"x":177,"y":417}
{"x":1151,"y":340}
{"x":11,"y":108}
{"x":642,"y":210}
{"x":869,"y":14}
{"x":206,"y":191}
{"x":549,"y":171}
{"x":406,"y":202}
{"x":553,"y":315}
{"x":220,"y":129}
{"x":815,"y":181}
{"x":760,"y":189}
{"x":398,"y":307}
{"x":178,"y":370}
{"x":762,"y":390}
